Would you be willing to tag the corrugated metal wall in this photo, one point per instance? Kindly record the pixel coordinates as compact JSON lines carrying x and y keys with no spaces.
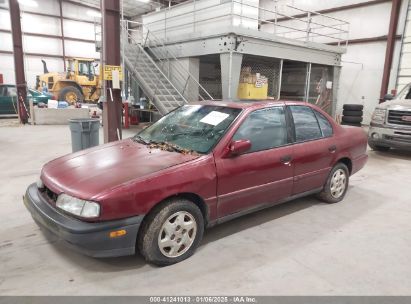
{"x":404,"y":68}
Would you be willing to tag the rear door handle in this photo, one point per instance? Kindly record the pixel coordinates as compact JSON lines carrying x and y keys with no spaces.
{"x":332,"y":148}
{"x":286,"y":159}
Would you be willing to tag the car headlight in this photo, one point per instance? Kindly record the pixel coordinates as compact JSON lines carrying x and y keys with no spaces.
{"x":78,"y":206}
{"x":39,"y":183}
{"x":378,"y":116}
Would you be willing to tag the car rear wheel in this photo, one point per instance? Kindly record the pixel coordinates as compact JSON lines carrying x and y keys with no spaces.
{"x":171,"y":233}
{"x":336,"y":185}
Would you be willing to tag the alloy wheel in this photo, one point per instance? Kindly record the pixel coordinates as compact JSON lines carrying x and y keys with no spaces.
{"x":177,"y":234}
{"x":338,"y":183}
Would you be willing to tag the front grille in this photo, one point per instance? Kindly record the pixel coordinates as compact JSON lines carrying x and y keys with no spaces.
{"x":50,"y":195}
{"x":398,"y":138}
{"x":397,"y":117}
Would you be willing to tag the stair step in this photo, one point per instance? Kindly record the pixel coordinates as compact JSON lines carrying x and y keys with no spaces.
{"x":152,"y":74}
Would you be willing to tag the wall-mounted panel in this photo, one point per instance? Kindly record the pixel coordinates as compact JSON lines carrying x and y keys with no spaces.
{"x":78,"y":29}
{"x":33,"y":44}
{"x":5,"y":20}
{"x":6,"y":42}
{"x":78,"y":12}
{"x":44,"y":6}
{"x":40,"y":24}
{"x":81,"y":49}
{"x":7,"y":68}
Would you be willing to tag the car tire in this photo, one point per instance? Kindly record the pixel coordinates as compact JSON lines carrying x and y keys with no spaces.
{"x":353,"y":107}
{"x":336,"y":185}
{"x":177,"y":222}
{"x":378,"y":147}
{"x":71,"y":95}
{"x":352,"y":119}
{"x":352,"y":113}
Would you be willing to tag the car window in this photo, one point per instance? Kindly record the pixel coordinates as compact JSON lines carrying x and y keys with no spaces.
{"x":405,"y":93}
{"x":3,"y":91}
{"x":325,"y":125}
{"x":12,"y":92}
{"x":306,"y":124}
{"x":265,"y":128}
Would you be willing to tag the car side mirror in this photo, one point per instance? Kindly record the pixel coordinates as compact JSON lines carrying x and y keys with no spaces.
{"x":238,"y":147}
{"x":388,"y":97}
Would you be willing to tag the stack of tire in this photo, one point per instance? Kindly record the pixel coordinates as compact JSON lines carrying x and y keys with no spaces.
{"x":352,"y":115}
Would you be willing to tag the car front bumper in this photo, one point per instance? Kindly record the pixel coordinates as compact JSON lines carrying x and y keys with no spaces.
{"x":390,"y":137}
{"x":92,"y":239}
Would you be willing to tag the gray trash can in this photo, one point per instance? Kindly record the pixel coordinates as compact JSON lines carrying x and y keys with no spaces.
{"x":84,"y":133}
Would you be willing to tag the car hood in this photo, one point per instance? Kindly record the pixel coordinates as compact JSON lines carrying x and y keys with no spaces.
{"x":89,"y":173}
{"x":400,"y":104}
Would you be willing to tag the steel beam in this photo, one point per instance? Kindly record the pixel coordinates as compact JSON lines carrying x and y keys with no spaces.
{"x":63,"y":44}
{"x":21,"y":84}
{"x":389,"y":53}
{"x":230,"y":74}
{"x":111,"y":56}
{"x":252,"y":42}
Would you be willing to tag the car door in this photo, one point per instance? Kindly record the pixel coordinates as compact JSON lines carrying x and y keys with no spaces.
{"x":315,"y":148}
{"x":264,"y":174}
{"x":3,"y":99}
{"x":7,"y":100}
{"x":12,"y":100}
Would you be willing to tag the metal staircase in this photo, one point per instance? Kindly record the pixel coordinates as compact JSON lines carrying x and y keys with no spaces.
{"x":160,"y":75}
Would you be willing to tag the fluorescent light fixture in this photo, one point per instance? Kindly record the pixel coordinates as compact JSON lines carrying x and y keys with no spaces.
{"x":94,"y":13}
{"x":144,"y":1}
{"x":31,"y":3}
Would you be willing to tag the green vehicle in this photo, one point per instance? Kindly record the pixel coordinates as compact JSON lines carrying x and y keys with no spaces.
{"x":8,"y":98}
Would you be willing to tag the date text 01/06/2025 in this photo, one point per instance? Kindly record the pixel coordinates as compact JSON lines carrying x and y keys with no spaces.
{"x":203,"y":299}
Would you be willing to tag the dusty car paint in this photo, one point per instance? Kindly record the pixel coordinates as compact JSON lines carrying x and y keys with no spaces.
{"x":128,"y":178}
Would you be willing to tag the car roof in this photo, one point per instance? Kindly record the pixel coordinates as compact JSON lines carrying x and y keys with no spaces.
{"x":13,"y":86}
{"x":246,"y":104}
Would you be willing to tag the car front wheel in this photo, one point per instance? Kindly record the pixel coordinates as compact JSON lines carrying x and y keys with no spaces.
{"x":336,"y":185}
{"x":171,"y":233}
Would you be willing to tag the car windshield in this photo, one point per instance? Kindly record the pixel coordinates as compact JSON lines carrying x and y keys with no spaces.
{"x":190,"y":128}
{"x":33,"y":92}
{"x":405,"y":92}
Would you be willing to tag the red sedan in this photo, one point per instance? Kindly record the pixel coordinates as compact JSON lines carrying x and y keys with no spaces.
{"x":199,"y":166}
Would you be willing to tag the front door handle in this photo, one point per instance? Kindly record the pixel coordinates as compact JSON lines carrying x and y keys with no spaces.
{"x":332,"y":148}
{"x":286,"y":159}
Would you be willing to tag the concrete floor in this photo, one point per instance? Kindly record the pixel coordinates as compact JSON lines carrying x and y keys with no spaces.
{"x":361,"y":246}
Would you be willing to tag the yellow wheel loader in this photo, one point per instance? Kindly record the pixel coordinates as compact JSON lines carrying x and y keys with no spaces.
{"x":79,"y":84}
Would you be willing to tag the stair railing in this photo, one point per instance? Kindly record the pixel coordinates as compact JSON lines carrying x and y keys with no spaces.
{"x":162,"y":53}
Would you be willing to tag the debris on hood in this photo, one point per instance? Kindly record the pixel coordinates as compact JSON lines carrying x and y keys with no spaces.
{"x":165,"y":146}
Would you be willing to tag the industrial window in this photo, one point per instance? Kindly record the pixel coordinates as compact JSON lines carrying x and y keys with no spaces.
{"x":84,"y":68}
{"x":306,"y":124}
{"x":265,"y":129}
{"x":325,"y":125}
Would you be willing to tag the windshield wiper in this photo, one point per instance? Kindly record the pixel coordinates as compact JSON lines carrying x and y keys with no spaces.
{"x":163,"y":145}
{"x":139,"y":139}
